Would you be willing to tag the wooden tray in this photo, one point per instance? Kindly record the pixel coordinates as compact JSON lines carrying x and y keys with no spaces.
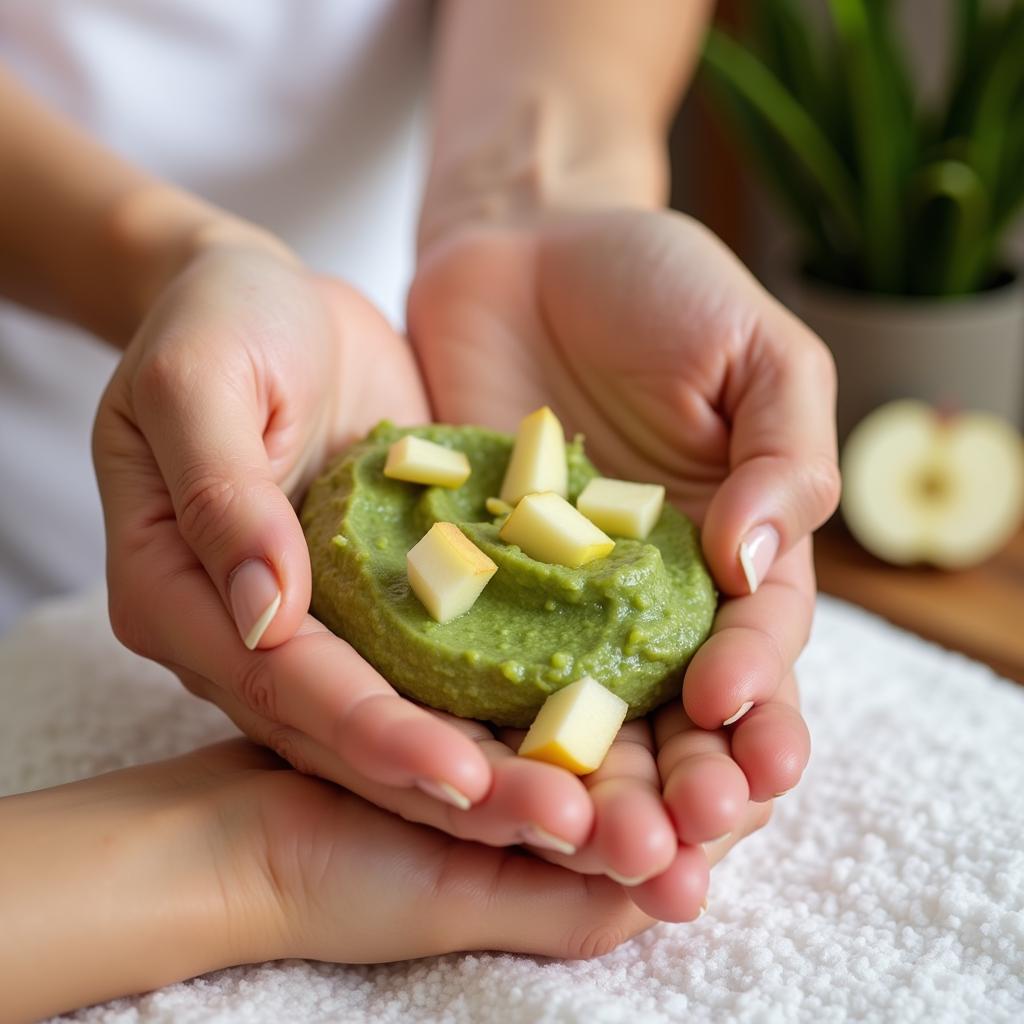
{"x":978,"y":611}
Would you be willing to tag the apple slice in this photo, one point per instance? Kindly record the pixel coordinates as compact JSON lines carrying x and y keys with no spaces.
{"x":419,"y":461}
{"x":576,"y":727}
{"x":920,"y":487}
{"x":447,"y":571}
{"x":538,"y":461}
{"x":621,"y":507}
{"x":550,"y":530}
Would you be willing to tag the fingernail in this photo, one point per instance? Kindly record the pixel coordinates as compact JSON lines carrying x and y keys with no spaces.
{"x":703,"y":908}
{"x":623,"y":880}
{"x":757,"y":552}
{"x":740,"y":712}
{"x":534,"y":835}
{"x":445,"y":792}
{"x":255,"y":598}
{"x":723,"y":836}
{"x":777,"y":795}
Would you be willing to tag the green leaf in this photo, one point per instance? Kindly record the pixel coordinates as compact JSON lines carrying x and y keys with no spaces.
{"x":952,"y":219}
{"x":791,"y":52}
{"x":740,"y":73}
{"x":884,"y":130}
{"x":788,"y":183}
{"x":985,"y":30}
{"x":998,"y":108}
{"x":1009,"y":198}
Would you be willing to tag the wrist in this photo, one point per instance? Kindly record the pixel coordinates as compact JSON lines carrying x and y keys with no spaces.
{"x":152,"y":233}
{"x":542,"y":157}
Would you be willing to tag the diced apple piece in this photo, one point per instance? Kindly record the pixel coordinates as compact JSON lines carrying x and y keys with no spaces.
{"x":419,"y":461}
{"x":576,"y":727}
{"x":920,"y":487}
{"x":447,"y":571}
{"x":538,"y":461}
{"x":550,"y":530}
{"x":621,"y":507}
{"x":497,"y":507}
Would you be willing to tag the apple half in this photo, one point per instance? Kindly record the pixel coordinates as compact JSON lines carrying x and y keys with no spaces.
{"x":923,"y":487}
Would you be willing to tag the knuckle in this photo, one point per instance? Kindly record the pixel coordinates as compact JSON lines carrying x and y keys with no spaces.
{"x":196,"y":684}
{"x":255,"y":688}
{"x":127,"y":619}
{"x":283,"y":741}
{"x":158,"y":376}
{"x":206,"y":502}
{"x":824,"y":484}
{"x":824,"y":364}
{"x":591,"y":941}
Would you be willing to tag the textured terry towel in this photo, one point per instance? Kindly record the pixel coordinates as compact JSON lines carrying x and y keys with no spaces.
{"x":888,"y":887}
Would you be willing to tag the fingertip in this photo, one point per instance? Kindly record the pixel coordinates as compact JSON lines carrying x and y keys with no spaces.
{"x":549,"y":802}
{"x":706,"y":797}
{"x":398,"y":743}
{"x":772,"y":745}
{"x":633,"y":834}
{"x":268,"y":594}
{"x":731,"y":672}
{"x":678,"y":894}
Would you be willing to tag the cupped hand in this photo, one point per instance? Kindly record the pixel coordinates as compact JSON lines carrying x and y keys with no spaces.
{"x":245,"y":377}
{"x":645,"y":334}
{"x":248,"y":374}
{"x":355,"y":884}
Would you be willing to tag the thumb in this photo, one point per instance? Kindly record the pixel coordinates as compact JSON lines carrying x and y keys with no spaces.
{"x":783,"y":479}
{"x":207,"y":436}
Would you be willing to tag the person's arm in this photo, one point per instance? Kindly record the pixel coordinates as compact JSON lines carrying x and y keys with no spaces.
{"x":110,"y":886}
{"x":541,"y":105}
{"x":150,"y":875}
{"x":85,"y":235}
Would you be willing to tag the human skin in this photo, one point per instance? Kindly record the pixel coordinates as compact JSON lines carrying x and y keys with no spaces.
{"x":549,"y":274}
{"x":149,"y":875}
{"x":224,"y":407}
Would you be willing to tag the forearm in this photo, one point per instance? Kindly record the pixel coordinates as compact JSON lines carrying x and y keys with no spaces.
{"x":540,"y":105}
{"x":84,"y":235}
{"x":109,"y":887}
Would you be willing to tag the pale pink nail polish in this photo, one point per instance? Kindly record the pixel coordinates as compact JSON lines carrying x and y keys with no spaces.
{"x":739,"y":713}
{"x":624,"y":880}
{"x":757,"y":552}
{"x":445,"y":792}
{"x":255,"y":598}
{"x":534,"y":835}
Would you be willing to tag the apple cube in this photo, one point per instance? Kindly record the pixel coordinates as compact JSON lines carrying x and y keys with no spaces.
{"x":447,"y":571}
{"x":621,"y":507}
{"x":576,"y":727}
{"x":538,"y":461}
{"x":422,"y":462}
{"x":549,"y":529}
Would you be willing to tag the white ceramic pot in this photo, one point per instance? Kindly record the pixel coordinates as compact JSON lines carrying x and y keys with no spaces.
{"x":958,"y":353}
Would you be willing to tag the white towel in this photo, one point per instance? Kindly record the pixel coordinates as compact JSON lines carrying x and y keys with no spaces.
{"x":888,"y":887}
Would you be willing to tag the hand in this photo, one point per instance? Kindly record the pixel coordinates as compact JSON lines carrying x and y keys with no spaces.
{"x":245,"y":377}
{"x":156,"y":873}
{"x":643,"y":332}
{"x":247,"y":374}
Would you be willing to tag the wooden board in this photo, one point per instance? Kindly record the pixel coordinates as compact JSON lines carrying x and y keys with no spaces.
{"x":978,"y":611}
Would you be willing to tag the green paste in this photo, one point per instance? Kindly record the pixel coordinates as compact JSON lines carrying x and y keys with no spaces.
{"x":632,"y":620}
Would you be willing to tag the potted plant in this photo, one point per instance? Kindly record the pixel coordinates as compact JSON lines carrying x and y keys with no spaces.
{"x":901,"y":208}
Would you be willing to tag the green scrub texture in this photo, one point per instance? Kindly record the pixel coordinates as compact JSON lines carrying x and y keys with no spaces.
{"x":631,"y":620}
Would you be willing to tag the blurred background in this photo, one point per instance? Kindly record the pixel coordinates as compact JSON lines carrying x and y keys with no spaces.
{"x":866,"y":159}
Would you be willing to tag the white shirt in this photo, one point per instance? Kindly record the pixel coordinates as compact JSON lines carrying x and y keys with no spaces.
{"x":302,"y":115}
